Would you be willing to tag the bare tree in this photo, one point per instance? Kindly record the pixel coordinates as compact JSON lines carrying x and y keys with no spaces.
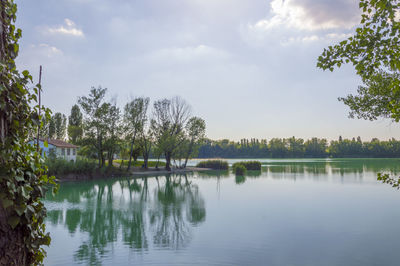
{"x":169,"y":118}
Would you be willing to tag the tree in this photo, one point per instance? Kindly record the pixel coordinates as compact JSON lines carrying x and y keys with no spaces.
{"x":374,"y":52}
{"x":168,"y":122}
{"x":60,"y":124}
{"x":52,"y":128}
{"x":316,"y":148}
{"x":112,"y":120}
{"x":94,"y":121}
{"x":23,"y":181}
{"x":195,"y":130}
{"x":146,"y":142}
{"x":75,"y":130}
{"x":135,"y":115}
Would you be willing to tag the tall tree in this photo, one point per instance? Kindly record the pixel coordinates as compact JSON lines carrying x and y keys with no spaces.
{"x":168,"y":123}
{"x":60,"y":124}
{"x":135,"y":115}
{"x":75,"y":129}
{"x":23,"y":181}
{"x":195,"y":130}
{"x":94,"y":121}
{"x":52,"y":128}
{"x":112,"y":121}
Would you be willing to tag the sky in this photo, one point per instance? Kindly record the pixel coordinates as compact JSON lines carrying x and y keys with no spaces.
{"x":248,"y":67}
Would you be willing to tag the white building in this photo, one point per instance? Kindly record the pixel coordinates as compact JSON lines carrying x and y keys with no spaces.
{"x":59,"y":148}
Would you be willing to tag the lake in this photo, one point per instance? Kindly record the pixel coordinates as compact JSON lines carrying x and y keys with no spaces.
{"x":293,"y":212}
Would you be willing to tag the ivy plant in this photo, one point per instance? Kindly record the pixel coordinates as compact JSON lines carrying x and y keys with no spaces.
{"x":23,"y":179}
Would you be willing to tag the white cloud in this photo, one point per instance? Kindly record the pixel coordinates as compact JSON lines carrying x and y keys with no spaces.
{"x":69,"y":28}
{"x":46,"y":50}
{"x":303,"y":22}
{"x":304,"y":15}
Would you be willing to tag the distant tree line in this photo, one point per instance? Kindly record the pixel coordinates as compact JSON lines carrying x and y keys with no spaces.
{"x":300,"y":148}
{"x":104,"y":131}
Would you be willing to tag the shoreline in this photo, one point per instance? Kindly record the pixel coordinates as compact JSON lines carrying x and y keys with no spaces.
{"x":134,"y":173}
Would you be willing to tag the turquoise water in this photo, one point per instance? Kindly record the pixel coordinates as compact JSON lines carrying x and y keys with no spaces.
{"x":293,"y":212}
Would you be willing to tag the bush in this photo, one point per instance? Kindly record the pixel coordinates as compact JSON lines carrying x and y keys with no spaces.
{"x":61,"y":166}
{"x":214,"y":164}
{"x":250,"y":165}
{"x":139,"y":163}
{"x":239,"y":169}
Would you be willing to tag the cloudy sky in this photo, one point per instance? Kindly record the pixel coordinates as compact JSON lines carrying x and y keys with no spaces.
{"x":248,"y":67}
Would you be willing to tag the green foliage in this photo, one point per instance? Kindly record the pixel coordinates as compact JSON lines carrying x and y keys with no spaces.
{"x":135,"y":120}
{"x":387,"y":179}
{"x":170,"y":116}
{"x":375,"y":44}
{"x":23,"y":179}
{"x":312,"y":148}
{"x":139,"y":163}
{"x":194,"y":135}
{"x":60,"y":123}
{"x":374,"y":52}
{"x":75,"y":125}
{"x":96,"y":123}
{"x":214,"y":164}
{"x":249,"y":165}
{"x":61,"y":167}
{"x":239,"y":169}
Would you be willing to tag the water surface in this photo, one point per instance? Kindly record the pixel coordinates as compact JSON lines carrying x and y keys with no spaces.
{"x":293,"y":212}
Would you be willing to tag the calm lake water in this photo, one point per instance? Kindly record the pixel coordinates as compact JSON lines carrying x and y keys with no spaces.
{"x":293,"y":212}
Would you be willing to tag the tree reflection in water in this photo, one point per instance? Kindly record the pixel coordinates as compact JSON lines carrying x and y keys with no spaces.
{"x":159,"y":211}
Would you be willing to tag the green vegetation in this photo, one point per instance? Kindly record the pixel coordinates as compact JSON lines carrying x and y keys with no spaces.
{"x":252,"y":165}
{"x":374,"y":52}
{"x":103,"y":131}
{"x":62,"y":167}
{"x":298,"y":148}
{"x":23,"y":179}
{"x":139,"y":163}
{"x":239,"y":169}
{"x":214,"y":164}
{"x":75,"y":125}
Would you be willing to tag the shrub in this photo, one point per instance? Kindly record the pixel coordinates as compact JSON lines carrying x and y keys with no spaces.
{"x":239,"y":169}
{"x":250,"y":165}
{"x":61,"y":166}
{"x":214,"y":164}
{"x":139,"y":163}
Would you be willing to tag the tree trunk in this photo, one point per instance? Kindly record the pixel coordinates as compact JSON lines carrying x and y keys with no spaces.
{"x":188,"y":155}
{"x":158,"y":161}
{"x":110,"y":159}
{"x":145,"y":160}
{"x":131,"y":154}
{"x":168,"y":161}
{"x":103,"y":159}
{"x":12,"y":251}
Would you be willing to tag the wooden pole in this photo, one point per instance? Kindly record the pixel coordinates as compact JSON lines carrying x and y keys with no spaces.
{"x":40,"y":120}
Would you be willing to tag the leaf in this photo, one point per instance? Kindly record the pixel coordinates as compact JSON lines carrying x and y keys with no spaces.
{"x":6,"y":203}
{"x":20,"y":209}
{"x":13,"y":221}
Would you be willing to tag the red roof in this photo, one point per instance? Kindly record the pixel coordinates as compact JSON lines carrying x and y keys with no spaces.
{"x":60,"y":143}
